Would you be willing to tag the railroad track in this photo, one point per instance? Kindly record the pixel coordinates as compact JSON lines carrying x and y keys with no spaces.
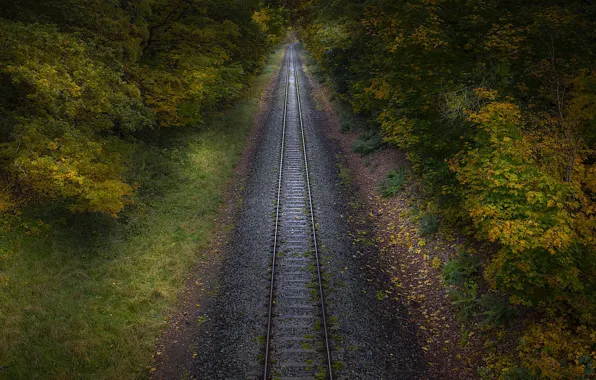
{"x":297,"y":340}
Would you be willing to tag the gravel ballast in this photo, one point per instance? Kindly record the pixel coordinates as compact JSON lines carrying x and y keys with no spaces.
{"x":371,"y":337}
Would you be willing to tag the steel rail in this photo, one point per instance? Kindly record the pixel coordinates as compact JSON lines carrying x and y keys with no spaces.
{"x":291,"y":59}
{"x":281,"y":162}
{"x":314,"y":229}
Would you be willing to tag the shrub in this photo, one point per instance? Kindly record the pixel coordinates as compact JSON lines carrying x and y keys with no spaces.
{"x":347,"y":125}
{"x":553,"y":350}
{"x":368,"y":142}
{"x":429,"y":224}
{"x":518,"y":374}
{"x":496,"y":311}
{"x":464,"y":300}
{"x":393,"y":183}
{"x":459,"y":271}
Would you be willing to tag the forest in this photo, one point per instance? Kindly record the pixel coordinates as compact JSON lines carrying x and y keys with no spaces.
{"x":494,"y":102}
{"x":84,"y":82}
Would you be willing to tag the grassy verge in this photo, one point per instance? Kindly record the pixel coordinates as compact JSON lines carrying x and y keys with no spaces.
{"x":85,"y":296}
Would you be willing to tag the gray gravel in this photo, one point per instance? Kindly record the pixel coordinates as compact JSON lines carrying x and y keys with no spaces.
{"x":370,"y":340}
{"x":227,"y":343}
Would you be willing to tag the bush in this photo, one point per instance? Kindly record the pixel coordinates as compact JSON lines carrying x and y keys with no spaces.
{"x":518,"y":374}
{"x":553,"y":350}
{"x":391,"y":185}
{"x":465,"y":299}
{"x":347,"y":125}
{"x":429,"y":224}
{"x":496,"y":311}
{"x":368,"y":142}
{"x":459,"y":271}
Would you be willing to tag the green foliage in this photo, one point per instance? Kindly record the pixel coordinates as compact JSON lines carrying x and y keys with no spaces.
{"x":394,"y":182}
{"x":273,"y":22}
{"x":368,"y":142}
{"x":429,"y":224}
{"x":491,"y":310}
{"x":465,"y":337}
{"x":84,"y":83}
{"x":518,"y":374}
{"x":458,"y":271}
{"x":496,"y":311}
{"x":465,"y":300}
{"x":554,"y":351}
{"x":348,"y":121}
{"x":60,"y":106}
{"x":460,"y":274}
{"x":348,"y":125}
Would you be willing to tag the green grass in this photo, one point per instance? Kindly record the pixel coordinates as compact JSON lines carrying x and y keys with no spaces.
{"x":87,"y":296}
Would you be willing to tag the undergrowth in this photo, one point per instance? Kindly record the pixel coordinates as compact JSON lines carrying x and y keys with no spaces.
{"x":368,"y":142}
{"x":394,"y":182}
{"x":486,"y":309}
{"x":429,"y":224}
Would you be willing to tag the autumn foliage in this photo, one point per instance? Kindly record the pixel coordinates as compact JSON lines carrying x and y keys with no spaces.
{"x":81,"y":82}
{"x":495,"y":103}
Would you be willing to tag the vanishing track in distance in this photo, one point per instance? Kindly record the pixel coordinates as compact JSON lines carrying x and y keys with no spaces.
{"x":297,"y":342}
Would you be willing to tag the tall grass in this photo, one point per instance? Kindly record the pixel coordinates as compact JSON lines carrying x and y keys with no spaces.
{"x":86,"y":296}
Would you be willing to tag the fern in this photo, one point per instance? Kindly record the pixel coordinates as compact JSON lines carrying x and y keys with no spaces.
{"x":394,"y":182}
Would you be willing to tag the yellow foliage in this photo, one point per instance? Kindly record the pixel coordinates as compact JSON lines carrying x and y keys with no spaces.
{"x":496,"y":117}
{"x":506,"y":40}
{"x":262,"y":18}
{"x":6,"y":203}
{"x":554,"y":351}
{"x":484,"y":93}
{"x":397,"y":129}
